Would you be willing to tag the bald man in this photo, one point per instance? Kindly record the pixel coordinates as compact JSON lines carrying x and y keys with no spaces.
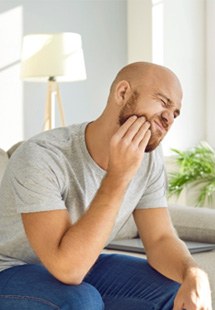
{"x":67,"y":192}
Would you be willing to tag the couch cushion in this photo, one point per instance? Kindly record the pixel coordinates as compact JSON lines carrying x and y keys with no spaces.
{"x":129,"y":230}
{"x":3,"y":162}
{"x":13,"y":148}
{"x":195,"y":224}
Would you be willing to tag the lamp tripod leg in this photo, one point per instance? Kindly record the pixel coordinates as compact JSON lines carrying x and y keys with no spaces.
{"x":53,"y":90}
{"x":48,"y":108}
{"x":60,"y":105}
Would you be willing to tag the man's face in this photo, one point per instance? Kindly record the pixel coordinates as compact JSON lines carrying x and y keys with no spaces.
{"x":160,"y":108}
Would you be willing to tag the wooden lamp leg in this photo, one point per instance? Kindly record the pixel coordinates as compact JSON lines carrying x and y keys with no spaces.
{"x":48,"y":108}
{"x":53,"y":90}
{"x":60,"y":105}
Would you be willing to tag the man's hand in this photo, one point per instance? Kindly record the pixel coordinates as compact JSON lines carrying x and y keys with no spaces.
{"x":127,"y":147}
{"x":194,"y":293}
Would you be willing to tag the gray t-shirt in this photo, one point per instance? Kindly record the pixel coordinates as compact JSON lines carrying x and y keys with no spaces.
{"x":54,"y":171}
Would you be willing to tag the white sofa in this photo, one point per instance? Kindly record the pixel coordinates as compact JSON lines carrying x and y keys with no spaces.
{"x":197,"y":224}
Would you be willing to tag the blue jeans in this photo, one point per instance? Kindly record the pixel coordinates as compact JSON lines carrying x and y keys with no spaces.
{"x":115,"y":282}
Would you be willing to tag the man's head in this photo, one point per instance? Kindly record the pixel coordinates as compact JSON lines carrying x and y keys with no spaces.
{"x":149,"y":90}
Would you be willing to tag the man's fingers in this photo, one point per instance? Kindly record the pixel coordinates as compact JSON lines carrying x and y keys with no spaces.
{"x":124,"y":128}
{"x":140,"y":135}
{"x":135,"y":132}
{"x":133,"y":129}
{"x":145,"y":141}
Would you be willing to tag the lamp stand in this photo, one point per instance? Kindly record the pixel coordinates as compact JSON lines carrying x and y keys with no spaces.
{"x":53,"y":97}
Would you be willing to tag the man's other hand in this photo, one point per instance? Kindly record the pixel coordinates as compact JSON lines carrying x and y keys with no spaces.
{"x":194,"y":293}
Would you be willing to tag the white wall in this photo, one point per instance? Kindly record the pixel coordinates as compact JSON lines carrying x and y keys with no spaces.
{"x":139,"y":14}
{"x":11,"y":92}
{"x":181,"y":48}
{"x":210,"y":77}
{"x":103,"y":27}
{"x":184,"y":53}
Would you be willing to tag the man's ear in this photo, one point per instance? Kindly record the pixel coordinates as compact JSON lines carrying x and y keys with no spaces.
{"x":122,"y":92}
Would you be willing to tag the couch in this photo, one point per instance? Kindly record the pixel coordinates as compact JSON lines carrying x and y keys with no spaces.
{"x":196,"y":224}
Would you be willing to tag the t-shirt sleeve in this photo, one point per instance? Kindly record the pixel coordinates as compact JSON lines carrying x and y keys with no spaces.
{"x":37,"y":180}
{"x":154,"y":195}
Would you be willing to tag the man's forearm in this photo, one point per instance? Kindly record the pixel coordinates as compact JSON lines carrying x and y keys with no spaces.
{"x":84,"y":240}
{"x":171,"y":258}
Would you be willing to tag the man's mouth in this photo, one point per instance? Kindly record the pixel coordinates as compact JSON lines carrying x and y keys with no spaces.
{"x":162,"y":127}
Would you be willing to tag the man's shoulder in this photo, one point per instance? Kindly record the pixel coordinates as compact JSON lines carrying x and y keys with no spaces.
{"x":59,"y":136}
{"x":56,"y":139}
{"x":48,"y":145}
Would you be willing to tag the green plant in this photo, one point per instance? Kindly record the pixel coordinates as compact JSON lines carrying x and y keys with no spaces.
{"x":195,"y":167}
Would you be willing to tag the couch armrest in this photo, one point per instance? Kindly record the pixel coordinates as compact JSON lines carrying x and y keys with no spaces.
{"x":3,"y":162}
{"x":195,"y":224}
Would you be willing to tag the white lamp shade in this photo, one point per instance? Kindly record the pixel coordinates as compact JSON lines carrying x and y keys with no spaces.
{"x":57,"y":55}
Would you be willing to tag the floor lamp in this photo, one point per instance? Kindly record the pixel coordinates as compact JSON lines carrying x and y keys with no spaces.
{"x":52,"y":58}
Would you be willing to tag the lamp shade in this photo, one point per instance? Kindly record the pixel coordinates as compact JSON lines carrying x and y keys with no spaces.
{"x":57,"y":55}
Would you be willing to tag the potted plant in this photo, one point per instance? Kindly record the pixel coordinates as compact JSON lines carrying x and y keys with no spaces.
{"x":195,"y":171}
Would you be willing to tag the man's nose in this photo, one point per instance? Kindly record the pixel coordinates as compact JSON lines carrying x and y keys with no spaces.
{"x":168,"y":117}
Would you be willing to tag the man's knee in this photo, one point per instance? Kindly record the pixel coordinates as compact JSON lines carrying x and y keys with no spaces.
{"x":84,"y":297}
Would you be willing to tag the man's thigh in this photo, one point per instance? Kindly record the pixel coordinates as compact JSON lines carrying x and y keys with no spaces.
{"x":127,"y":282}
{"x":33,"y":287}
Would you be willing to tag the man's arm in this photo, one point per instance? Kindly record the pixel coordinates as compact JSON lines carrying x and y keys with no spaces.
{"x":68,"y":250}
{"x":168,"y":254}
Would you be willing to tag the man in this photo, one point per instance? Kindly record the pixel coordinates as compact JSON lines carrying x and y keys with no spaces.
{"x":67,"y":192}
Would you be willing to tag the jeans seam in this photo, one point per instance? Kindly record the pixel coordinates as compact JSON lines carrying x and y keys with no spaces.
{"x":37,"y":299}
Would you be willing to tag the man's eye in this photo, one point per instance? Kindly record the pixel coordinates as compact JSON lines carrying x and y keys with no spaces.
{"x":164,"y":102}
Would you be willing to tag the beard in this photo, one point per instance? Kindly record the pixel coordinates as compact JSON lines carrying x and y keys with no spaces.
{"x":129,"y":109}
